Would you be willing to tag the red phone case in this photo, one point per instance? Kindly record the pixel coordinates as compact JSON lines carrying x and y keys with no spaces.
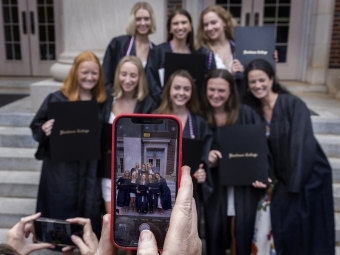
{"x":113,"y":161}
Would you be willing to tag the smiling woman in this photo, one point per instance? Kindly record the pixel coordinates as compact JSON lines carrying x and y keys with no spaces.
{"x":136,"y":43}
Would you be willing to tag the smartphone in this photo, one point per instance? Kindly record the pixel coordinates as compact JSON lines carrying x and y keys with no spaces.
{"x":56,"y":232}
{"x":146,"y":161}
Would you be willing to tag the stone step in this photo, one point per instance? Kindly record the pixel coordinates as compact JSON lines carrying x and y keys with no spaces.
{"x":12,"y":209}
{"x":16,"y":119}
{"x":19,"y":183}
{"x":335,"y":164}
{"x":326,"y":125}
{"x":19,"y":159}
{"x":17,"y":137}
{"x":330,"y":144}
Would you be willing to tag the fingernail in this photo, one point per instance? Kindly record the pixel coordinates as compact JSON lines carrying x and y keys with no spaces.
{"x":145,"y":235}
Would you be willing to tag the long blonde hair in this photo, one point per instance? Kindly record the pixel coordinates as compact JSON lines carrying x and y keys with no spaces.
{"x":166,"y":105}
{"x":202,"y":40}
{"x":70,"y":87}
{"x":141,"y":91}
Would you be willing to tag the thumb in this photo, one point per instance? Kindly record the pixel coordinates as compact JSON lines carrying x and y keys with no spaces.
{"x":201,"y":165}
{"x":147,"y":243}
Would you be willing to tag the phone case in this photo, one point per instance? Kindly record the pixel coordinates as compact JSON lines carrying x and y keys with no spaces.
{"x":113,"y":161}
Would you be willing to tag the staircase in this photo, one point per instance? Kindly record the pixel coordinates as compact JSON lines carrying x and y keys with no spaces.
{"x":20,"y":172}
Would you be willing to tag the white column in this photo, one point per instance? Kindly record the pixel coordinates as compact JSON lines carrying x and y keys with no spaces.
{"x":319,"y":41}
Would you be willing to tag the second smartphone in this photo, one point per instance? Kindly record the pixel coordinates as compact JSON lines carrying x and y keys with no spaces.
{"x":146,"y":162}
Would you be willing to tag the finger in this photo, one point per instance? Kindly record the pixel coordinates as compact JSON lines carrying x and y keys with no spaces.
{"x":21,"y":224}
{"x":39,"y":246}
{"x":67,"y":248}
{"x":82,"y":221}
{"x":270,"y":180}
{"x":105,"y":245}
{"x":147,"y":243}
{"x":185,"y":191}
{"x":219,"y":154}
{"x":80,"y":243}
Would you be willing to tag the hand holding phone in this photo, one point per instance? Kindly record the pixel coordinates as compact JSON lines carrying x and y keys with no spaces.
{"x":16,"y":236}
{"x":88,"y":244}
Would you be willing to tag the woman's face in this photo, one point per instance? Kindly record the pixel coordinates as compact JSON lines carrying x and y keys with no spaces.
{"x":143,"y":177}
{"x":126,"y":174}
{"x":128,"y":77}
{"x":157,"y":176}
{"x":134,"y":175}
{"x":180,"y":91}
{"x":143,"y":22}
{"x":213,"y":26}
{"x":259,"y":84}
{"x":88,"y":75}
{"x":218,"y":92}
{"x":180,"y":27}
{"x":143,"y":167}
{"x":150,"y":177}
{"x":148,"y":166}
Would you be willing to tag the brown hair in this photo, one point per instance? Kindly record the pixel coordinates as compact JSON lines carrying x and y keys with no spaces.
{"x":141,"y":91}
{"x":190,"y":36}
{"x":232,"y":105}
{"x":5,"y":249}
{"x":166,"y":105}
{"x":131,"y":26}
{"x":70,"y":88}
{"x":201,"y":37}
{"x":124,"y":174}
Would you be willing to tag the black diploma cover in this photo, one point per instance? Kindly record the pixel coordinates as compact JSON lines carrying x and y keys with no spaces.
{"x":143,"y":189}
{"x":193,"y":63}
{"x":75,"y":133}
{"x":192,"y":153}
{"x":254,"y":43}
{"x":154,"y":188}
{"x":244,"y":155}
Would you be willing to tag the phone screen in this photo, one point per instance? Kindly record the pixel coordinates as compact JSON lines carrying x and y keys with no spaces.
{"x":145,"y":175}
{"x":54,"y":232}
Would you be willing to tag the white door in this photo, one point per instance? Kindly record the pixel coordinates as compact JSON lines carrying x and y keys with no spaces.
{"x":286,"y":16}
{"x":30,"y":36}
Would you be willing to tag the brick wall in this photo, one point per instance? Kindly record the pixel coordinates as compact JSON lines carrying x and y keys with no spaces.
{"x":334,"y":55}
{"x":171,"y":157}
{"x":174,"y":4}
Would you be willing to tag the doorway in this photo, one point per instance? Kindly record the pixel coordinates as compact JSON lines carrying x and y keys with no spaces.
{"x":30,"y":36}
{"x":286,"y":16}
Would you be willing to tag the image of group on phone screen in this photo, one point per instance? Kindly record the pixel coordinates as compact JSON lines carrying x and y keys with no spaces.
{"x":261,"y":180}
{"x":141,"y":190}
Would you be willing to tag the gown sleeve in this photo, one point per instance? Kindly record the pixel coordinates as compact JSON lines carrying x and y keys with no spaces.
{"x":152,"y":76}
{"x":302,"y":145}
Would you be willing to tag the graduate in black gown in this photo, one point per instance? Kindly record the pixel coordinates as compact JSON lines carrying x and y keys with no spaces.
{"x":180,"y":40}
{"x":164,"y":202}
{"x":229,"y":211}
{"x":154,"y":192}
{"x":70,"y":189}
{"x":142,"y":195}
{"x":180,"y":98}
{"x":130,"y":95}
{"x":136,"y":42}
{"x":302,"y":213}
{"x":123,"y":187}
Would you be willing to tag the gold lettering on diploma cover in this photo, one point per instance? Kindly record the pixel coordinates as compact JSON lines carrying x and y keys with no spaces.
{"x":243,"y":155}
{"x":76,"y":131}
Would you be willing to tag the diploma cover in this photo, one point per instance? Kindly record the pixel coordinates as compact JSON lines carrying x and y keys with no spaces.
{"x":75,"y":133}
{"x":244,"y":155}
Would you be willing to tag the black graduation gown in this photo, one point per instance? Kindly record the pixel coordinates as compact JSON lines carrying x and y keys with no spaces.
{"x":142,"y":200}
{"x":66,"y":189}
{"x":246,"y":199}
{"x":302,"y":210}
{"x":145,"y":106}
{"x":115,"y":51}
{"x":165,"y":195}
{"x":202,"y":132}
{"x":123,"y":196}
